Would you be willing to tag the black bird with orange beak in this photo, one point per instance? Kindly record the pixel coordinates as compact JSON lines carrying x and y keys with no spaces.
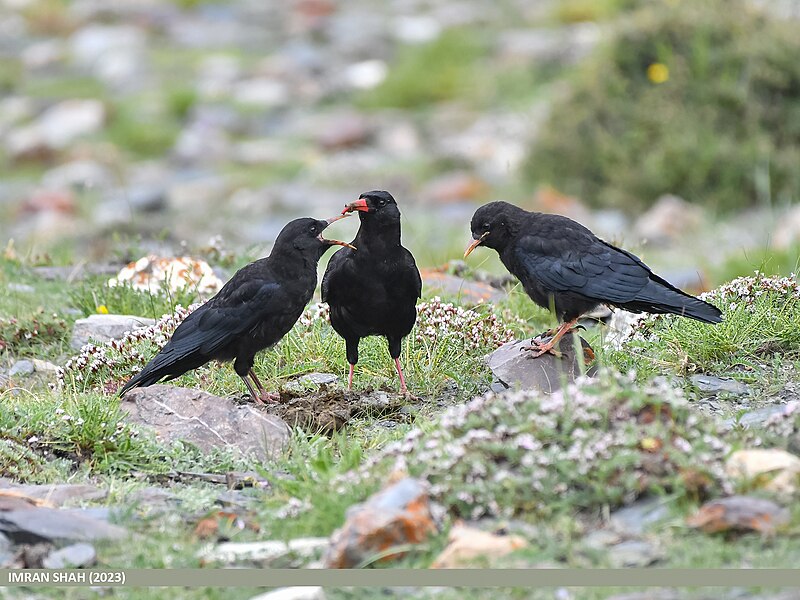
{"x":373,"y":291}
{"x":564,"y":267}
{"x":254,"y":310}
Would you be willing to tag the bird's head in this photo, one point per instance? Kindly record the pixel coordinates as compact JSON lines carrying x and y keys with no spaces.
{"x":305,"y":235}
{"x":493,"y":226}
{"x":377,"y":206}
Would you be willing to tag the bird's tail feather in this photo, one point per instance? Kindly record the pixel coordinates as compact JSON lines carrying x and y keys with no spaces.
{"x":662,"y":297}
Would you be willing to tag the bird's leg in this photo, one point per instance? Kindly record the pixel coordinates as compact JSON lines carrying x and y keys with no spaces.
{"x":253,"y":395}
{"x":350,"y":377}
{"x":263,"y":394}
{"x":551,"y":346}
{"x":403,"y":388}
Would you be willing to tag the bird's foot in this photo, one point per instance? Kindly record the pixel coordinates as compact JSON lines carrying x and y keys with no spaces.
{"x":269,"y":397}
{"x":553,"y":332}
{"x":539,"y":347}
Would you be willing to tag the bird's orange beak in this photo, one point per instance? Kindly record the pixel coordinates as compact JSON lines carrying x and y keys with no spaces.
{"x":359,"y":204}
{"x":474,"y":245}
{"x":335,"y":242}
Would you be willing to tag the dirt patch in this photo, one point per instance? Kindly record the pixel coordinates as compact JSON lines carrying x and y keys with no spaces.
{"x":328,"y":409}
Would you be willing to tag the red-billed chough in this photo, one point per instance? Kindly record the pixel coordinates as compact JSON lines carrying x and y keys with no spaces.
{"x":254,"y":310}
{"x":373,"y":291}
{"x":564,"y":266}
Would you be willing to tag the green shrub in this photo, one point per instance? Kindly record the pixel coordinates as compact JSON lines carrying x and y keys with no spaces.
{"x":699,"y":99}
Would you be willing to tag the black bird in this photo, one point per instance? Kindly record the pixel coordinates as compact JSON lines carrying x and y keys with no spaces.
{"x":564,"y":267}
{"x":373,"y":291}
{"x":254,"y":310}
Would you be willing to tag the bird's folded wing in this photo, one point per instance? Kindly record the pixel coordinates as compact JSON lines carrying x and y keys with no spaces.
{"x":588,"y":267}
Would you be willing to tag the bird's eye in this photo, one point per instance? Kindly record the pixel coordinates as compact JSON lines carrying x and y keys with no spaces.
{"x":313,"y":229}
{"x":381,"y":202}
{"x":486,"y":226}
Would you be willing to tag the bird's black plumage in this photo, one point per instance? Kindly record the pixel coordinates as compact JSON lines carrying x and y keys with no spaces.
{"x":373,"y":291}
{"x":562,"y":264}
{"x":252,"y":311}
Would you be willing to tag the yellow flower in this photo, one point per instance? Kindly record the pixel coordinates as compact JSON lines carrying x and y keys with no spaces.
{"x":102,"y":309}
{"x":658,"y":72}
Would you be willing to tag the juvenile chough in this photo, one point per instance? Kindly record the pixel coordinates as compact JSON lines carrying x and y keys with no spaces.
{"x":373,"y":291}
{"x":254,"y":310}
{"x":564,"y":266}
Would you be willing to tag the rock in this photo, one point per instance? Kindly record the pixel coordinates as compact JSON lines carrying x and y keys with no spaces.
{"x":57,"y":494}
{"x":773,"y":469}
{"x":564,"y":45}
{"x":416,"y":29}
{"x":457,"y":186}
{"x":600,"y":539}
{"x":514,"y":367}
{"x":202,"y":144}
{"x":196,"y":194}
{"x":739,"y":513}
{"x":300,"y":592}
{"x":265,"y":553}
{"x":754,"y":418}
{"x":48,"y":200}
{"x":59,"y":126}
{"x":7,"y":553}
{"x":102,"y":328}
{"x":261,"y":92}
{"x":366,"y":74}
{"x":634,"y":519}
{"x":468,"y":543}
{"x":714,"y":385}
{"x":633,"y":553}
{"x":398,"y":515}
{"x":44,"y":54}
{"x":21,"y":288}
{"x":205,"y":420}
{"x":467,"y":291}
{"x":344,"y":130}
{"x":310,"y":380}
{"x":43,"y":366}
{"x":77,"y":174}
{"x":35,"y":525}
{"x":669,"y":218}
{"x":113,"y":53}
{"x":71,"y":557}
{"x":21,"y":367}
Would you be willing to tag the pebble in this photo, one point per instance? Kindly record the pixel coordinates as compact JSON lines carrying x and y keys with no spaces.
{"x":22,"y":367}
{"x":710,"y":384}
{"x":634,"y":519}
{"x":633,"y":553}
{"x":264,"y":552}
{"x":71,"y":557}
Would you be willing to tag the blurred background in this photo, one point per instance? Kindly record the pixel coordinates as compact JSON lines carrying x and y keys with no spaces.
{"x":200,"y":127}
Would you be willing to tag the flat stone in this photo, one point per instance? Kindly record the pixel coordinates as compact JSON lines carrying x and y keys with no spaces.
{"x":634,"y":519}
{"x":600,"y":539}
{"x":35,"y":525}
{"x":633,"y":553}
{"x":205,"y":420}
{"x":515,"y":368}
{"x":311,"y":380}
{"x":102,"y":328}
{"x":22,"y":367}
{"x":740,"y":513}
{"x":300,"y":592}
{"x":468,"y":291}
{"x":70,"y":557}
{"x":58,"y":494}
{"x":710,"y":384}
{"x":267,"y":552}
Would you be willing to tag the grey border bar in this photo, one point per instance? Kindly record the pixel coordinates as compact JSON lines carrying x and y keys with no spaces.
{"x":472,"y":578}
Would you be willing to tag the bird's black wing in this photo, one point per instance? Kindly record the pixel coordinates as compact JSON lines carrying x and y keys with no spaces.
{"x":335,"y":269}
{"x":409,"y":265}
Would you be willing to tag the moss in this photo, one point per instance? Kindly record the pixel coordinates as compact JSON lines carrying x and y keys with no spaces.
{"x":714,"y":121}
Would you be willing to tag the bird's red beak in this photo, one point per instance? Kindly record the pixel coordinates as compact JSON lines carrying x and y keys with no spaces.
{"x":359,"y":204}
{"x":335,"y":242}
{"x":474,"y":245}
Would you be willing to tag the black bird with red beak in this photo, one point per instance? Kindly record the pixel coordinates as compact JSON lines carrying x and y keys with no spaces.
{"x":564,"y":267}
{"x":373,"y":291}
{"x":254,"y":310}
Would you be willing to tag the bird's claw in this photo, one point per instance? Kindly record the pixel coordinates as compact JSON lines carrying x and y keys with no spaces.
{"x":539,"y":347}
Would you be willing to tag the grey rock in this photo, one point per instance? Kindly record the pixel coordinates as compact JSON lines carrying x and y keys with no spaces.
{"x":58,"y":494}
{"x":633,"y":553}
{"x":22,"y":367}
{"x":6,"y":552}
{"x":710,"y":384}
{"x":57,"y":127}
{"x":20,"y":288}
{"x":113,"y":53}
{"x":266,"y":553}
{"x":754,"y":418}
{"x":77,"y":174}
{"x":205,"y":420}
{"x":34,"y":525}
{"x":72,"y":556}
{"x":563,"y":45}
{"x":43,"y":366}
{"x":300,"y":592}
{"x":669,"y":218}
{"x":498,"y":386}
{"x":547,"y":373}
{"x":261,"y":92}
{"x":600,"y":539}
{"x":318,"y":378}
{"x":634,"y":519}
{"x":102,"y":328}
{"x":471,"y":292}
{"x":195,"y":193}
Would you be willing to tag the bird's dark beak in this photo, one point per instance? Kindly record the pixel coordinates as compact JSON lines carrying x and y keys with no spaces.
{"x":475,"y":244}
{"x":359,"y":204}
{"x":335,"y":242}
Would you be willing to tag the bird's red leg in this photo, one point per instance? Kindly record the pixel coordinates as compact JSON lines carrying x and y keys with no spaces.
{"x":403,"y":388}
{"x":253,"y":394}
{"x":350,"y":377}
{"x":264,"y":395}
{"x":551,"y":346}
